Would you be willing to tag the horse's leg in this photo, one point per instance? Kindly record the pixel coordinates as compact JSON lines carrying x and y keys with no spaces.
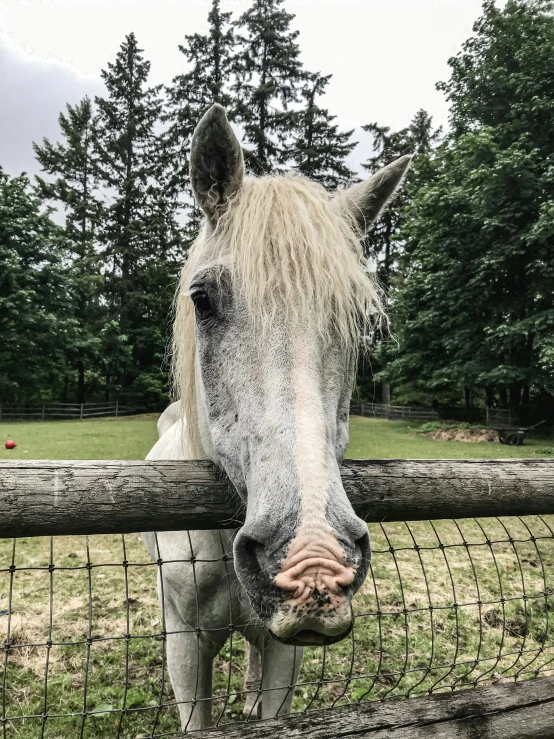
{"x":280,"y":669}
{"x":252,"y":681}
{"x":196,"y":610}
{"x":190,"y":657}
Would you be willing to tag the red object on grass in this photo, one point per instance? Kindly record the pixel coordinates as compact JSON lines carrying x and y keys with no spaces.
{"x":10,"y":444}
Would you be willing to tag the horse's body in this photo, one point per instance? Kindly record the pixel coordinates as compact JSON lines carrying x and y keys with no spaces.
{"x":208,"y":597}
{"x":269,"y":310}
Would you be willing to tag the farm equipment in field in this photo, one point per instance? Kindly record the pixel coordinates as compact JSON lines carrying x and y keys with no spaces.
{"x":514,"y":436}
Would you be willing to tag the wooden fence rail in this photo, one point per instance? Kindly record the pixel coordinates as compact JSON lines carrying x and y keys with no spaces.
{"x":50,"y":497}
{"x":393,"y":412}
{"x":58,"y":411}
{"x":522,"y":710}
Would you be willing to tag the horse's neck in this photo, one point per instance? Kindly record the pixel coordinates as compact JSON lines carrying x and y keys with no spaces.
{"x":169,"y":417}
{"x":172,"y":443}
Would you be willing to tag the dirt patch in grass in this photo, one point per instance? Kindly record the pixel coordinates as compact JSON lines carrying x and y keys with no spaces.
{"x":460,"y":434}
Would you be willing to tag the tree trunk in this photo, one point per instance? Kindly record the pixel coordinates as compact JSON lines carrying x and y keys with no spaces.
{"x":490,"y":399}
{"x":385,"y":386}
{"x":81,"y":382}
{"x":467,"y":400}
{"x":515,"y":394}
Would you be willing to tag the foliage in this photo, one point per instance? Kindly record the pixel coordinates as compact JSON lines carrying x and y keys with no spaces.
{"x":465,"y":250}
{"x":119,"y":174}
{"x":72,"y":164}
{"x":268,"y":76}
{"x":320,"y":148}
{"x":210,"y":60}
{"x":37,"y":308}
{"x":139,"y":236}
{"x":384,"y":244}
{"x":476,"y":309}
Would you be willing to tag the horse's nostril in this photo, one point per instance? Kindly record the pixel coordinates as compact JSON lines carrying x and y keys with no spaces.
{"x":248,"y":553}
{"x":249,"y":546}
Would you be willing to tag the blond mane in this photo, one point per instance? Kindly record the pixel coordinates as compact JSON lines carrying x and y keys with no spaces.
{"x":290,"y":247}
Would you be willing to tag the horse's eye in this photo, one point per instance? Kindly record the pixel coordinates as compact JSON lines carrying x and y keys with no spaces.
{"x":202,"y":304}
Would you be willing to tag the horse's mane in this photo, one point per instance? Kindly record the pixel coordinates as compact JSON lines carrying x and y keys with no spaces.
{"x":290,"y":247}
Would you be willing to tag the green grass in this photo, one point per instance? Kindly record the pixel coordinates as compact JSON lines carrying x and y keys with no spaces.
{"x":381,"y":439}
{"x":133,"y":437}
{"x":129,"y":437}
{"x":502,"y":582}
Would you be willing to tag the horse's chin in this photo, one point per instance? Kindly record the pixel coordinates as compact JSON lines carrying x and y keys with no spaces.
{"x":309,"y":638}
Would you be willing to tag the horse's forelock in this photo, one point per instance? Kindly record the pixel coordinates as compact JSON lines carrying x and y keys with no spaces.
{"x":291,"y":248}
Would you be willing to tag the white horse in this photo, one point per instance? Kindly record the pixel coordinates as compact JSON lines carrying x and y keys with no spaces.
{"x":272,"y":300}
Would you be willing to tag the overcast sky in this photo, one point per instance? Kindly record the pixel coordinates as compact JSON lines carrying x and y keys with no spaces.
{"x":385,"y":56}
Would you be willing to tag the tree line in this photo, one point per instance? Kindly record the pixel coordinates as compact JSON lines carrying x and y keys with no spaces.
{"x":465,"y":253}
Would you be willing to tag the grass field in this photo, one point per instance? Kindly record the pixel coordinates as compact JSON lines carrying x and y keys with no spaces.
{"x":133,"y":437}
{"x":447,"y":604}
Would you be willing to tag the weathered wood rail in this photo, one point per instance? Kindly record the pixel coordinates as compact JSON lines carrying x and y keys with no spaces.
{"x":49,"y":498}
{"x":522,"y":710}
{"x":52,"y":498}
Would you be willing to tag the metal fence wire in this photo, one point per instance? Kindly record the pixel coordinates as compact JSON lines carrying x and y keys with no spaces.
{"x":447,"y":605}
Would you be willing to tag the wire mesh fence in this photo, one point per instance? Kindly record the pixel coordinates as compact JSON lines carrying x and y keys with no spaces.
{"x":447,"y":605}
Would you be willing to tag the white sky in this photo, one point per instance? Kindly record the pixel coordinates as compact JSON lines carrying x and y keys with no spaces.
{"x":385,"y":55}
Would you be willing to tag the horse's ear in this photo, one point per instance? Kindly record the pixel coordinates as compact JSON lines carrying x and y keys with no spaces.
{"x":367,"y":199}
{"x":216,"y":162}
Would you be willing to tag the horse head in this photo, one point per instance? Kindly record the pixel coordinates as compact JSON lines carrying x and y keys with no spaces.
{"x":273,"y":301}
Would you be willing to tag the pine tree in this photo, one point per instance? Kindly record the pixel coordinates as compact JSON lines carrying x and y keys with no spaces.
{"x":320,"y":149}
{"x":129,"y":163}
{"x":384,"y":245}
{"x":210,"y":58}
{"x":72,"y":164}
{"x":38,"y":325}
{"x":268,"y":77}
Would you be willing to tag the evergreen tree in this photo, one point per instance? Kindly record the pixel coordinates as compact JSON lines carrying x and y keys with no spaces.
{"x":72,"y":164}
{"x":384,"y":245}
{"x":37,"y":314}
{"x":476,"y":313}
{"x":320,"y":148}
{"x":210,"y":57}
{"x":130,"y":164}
{"x":268,"y":78}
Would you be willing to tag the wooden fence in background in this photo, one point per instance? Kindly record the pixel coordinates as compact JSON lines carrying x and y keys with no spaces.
{"x":490,"y":416}
{"x":57,"y":411}
{"x":393,"y":412}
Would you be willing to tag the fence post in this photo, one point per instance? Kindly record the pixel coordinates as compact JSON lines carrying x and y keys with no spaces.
{"x":487,"y":415}
{"x":116,"y":408}
{"x":361,"y":409}
{"x":42,"y":413}
{"x":82,"y":408}
{"x":0,"y":411}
